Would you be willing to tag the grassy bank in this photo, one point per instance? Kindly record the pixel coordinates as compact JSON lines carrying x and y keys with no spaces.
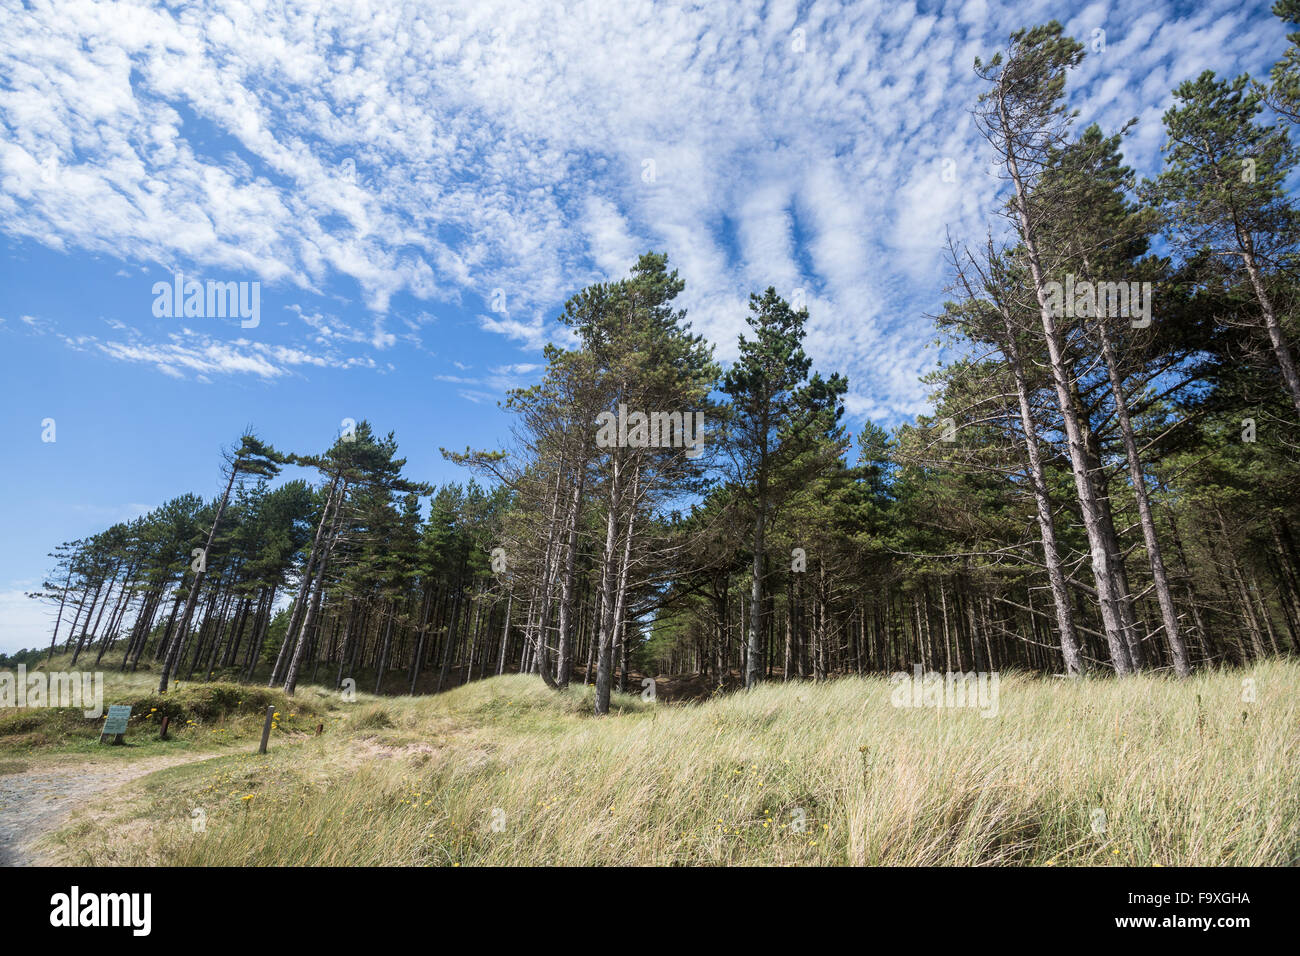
{"x":1145,"y":771}
{"x":201,"y":716}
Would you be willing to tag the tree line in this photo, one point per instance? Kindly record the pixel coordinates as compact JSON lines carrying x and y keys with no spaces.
{"x":1106,"y":483}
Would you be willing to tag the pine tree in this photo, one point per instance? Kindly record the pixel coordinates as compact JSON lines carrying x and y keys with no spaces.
{"x":1223,"y":191}
{"x":777,"y":416}
{"x":1023,"y":118}
{"x":252,"y":457}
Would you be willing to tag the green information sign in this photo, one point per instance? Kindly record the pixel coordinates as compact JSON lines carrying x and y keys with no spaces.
{"x":118,"y":714}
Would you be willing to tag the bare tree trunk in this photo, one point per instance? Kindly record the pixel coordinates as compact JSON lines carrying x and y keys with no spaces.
{"x":261,"y":626}
{"x":505,"y":633}
{"x":1101,"y":564}
{"x":1169,"y":616}
{"x":173,"y":652}
{"x":417,"y":653}
{"x":349,"y":639}
{"x":63,"y":598}
{"x":472,"y":646}
{"x":382,"y":663}
{"x":573,"y":515}
{"x":548,"y":571}
{"x":94,"y":602}
{"x":754,"y":638}
{"x":605,"y":639}
{"x":787,"y":660}
{"x":1285,"y":363}
{"x":1243,"y":592}
{"x":318,"y":586}
{"x":620,"y":594}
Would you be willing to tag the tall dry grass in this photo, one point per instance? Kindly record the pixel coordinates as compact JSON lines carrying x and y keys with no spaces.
{"x":1145,"y":771}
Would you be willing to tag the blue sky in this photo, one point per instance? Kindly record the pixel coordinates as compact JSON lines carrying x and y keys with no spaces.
{"x":389,"y":172}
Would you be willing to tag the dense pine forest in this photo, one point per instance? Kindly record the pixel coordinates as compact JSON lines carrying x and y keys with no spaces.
{"x":1106,"y":484}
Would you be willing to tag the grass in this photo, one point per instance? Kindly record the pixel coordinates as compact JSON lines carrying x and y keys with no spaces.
{"x":202,"y":716}
{"x":505,"y":771}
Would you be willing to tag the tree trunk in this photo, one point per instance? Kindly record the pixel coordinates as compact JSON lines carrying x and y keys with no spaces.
{"x":564,"y":664}
{"x":1101,"y":565}
{"x":1169,"y":616}
{"x":173,"y":652}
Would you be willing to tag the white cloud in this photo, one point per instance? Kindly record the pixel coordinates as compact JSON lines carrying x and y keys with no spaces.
{"x":188,"y":353}
{"x":445,"y":152}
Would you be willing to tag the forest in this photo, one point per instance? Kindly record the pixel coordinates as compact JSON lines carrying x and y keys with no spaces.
{"x":1106,"y":484}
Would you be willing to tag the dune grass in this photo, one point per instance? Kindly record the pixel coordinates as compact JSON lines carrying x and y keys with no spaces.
{"x":202,"y":716}
{"x":1143,"y":771}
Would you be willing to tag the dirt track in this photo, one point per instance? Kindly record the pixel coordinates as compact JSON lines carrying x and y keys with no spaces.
{"x":34,"y":802}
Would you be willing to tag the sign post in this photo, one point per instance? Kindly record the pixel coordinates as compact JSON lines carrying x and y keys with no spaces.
{"x":266,"y":729}
{"x":115,"y":723}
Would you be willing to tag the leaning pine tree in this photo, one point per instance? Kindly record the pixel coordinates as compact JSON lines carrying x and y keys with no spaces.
{"x":253,"y":457}
{"x":1023,"y":118}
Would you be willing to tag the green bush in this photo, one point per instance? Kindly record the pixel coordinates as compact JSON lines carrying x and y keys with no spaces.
{"x":42,"y":726}
{"x":210,"y":703}
{"x":22,"y":722}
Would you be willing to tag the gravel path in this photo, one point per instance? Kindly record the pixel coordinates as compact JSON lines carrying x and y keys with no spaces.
{"x":34,"y":802}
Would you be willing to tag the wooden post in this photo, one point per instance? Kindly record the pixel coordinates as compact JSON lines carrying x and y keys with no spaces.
{"x":266,"y":729}
{"x":162,"y":733}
